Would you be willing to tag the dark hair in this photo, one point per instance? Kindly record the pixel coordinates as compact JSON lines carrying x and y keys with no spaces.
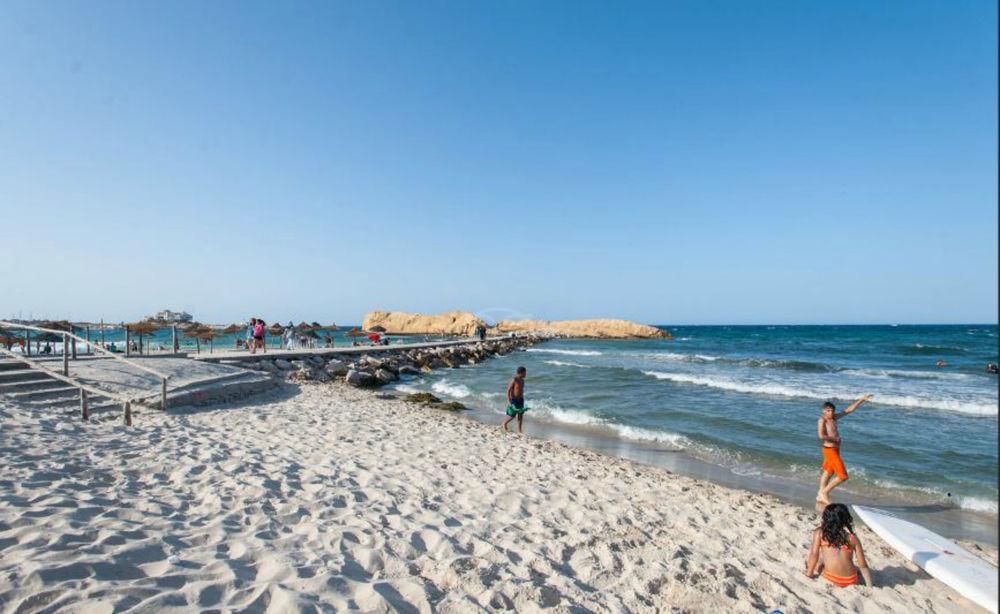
{"x":522,"y":370}
{"x":837,"y":525}
{"x":828,"y":405}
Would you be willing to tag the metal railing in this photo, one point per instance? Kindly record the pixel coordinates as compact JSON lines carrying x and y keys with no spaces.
{"x":127,"y":401}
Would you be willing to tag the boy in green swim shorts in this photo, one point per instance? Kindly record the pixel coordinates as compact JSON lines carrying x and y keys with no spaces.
{"x":515,"y":400}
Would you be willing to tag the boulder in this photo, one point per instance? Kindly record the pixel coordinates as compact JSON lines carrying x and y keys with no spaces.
{"x":337,"y":367}
{"x":282,"y":364}
{"x":359,"y":379}
{"x":319,"y":375}
{"x":267,"y":365}
{"x":297,"y":376}
{"x":408,"y":369}
{"x":384,"y":376}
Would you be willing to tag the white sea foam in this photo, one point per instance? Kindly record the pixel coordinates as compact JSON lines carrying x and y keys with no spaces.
{"x":406,"y":388}
{"x":774,"y":389}
{"x":566,"y":352}
{"x":584,"y":418}
{"x":560,"y":363}
{"x":458,"y":391}
{"x":675,"y":357}
{"x":888,"y":373}
{"x":640,"y":434}
{"x":978,"y":505}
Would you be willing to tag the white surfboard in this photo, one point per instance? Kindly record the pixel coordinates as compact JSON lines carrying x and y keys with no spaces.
{"x":942,"y":558}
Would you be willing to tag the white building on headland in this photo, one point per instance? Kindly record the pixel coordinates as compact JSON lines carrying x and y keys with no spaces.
{"x":174,"y":317}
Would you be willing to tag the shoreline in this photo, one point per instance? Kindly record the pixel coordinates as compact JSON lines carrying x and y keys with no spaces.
{"x":327,"y":496}
{"x":952,"y":522}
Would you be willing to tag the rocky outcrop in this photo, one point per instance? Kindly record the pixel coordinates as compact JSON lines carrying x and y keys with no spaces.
{"x":459,"y":323}
{"x":590,"y":329}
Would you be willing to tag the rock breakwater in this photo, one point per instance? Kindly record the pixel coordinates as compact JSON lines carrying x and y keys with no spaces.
{"x":384,"y":366}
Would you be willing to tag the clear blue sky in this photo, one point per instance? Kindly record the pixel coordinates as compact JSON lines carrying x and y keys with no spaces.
{"x":682,"y":162}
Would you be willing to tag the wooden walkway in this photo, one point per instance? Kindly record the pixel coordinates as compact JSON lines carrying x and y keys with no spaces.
{"x":235,"y":355}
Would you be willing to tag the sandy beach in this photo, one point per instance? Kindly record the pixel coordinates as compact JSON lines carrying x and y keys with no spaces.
{"x":324,"y":497}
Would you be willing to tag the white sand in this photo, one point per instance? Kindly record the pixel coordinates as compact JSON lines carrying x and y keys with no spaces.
{"x":333,"y":499}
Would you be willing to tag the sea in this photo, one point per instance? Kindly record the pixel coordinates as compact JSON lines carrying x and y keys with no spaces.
{"x":739,"y":405}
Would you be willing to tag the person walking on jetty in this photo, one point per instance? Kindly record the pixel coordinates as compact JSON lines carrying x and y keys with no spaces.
{"x":258,"y":336}
{"x":834,"y":546}
{"x":833,"y":465}
{"x":515,"y":400}
{"x":249,"y":340}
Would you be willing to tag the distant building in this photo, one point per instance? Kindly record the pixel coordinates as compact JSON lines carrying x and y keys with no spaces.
{"x":174,"y":317}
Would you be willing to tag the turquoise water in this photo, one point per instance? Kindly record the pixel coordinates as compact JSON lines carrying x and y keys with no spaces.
{"x":747,"y":398}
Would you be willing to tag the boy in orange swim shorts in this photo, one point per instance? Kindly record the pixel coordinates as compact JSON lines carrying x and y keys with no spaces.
{"x":833,"y":465}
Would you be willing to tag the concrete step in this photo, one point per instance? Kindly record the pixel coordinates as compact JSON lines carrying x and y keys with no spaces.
{"x":224,"y":389}
{"x":21,"y":375}
{"x":30,"y":385}
{"x":70,"y":401}
{"x":45,"y":393}
{"x":11,"y":365}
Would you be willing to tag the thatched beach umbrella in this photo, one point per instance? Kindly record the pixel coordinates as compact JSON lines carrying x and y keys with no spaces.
{"x":8,"y":339}
{"x":41,"y":338}
{"x":354,"y":333}
{"x":377,"y":329}
{"x":192,"y":330}
{"x":208,"y":334}
{"x":276,"y":330}
{"x":143,"y":327}
{"x":63,"y":325}
{"x":233,"y":329}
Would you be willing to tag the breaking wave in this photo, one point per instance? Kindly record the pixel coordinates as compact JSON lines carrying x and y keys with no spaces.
{"x":566,"y":352}
{"x":773,"y":389}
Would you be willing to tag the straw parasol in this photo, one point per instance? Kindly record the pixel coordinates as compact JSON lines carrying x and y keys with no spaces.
{"x":233,"y":329}
{"x":63,"y":325}
{"x":276,"y":330}
{"x":46,"y":338}
{"x":207,"y":334}
{"x":377,"y":329}
{"x":8,"y":339}
{"x":143,"y":327}
{"x":355,"y":332}
{"x":192,"y":330}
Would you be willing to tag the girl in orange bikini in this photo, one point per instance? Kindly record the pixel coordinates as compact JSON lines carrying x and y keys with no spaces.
{"x":834,"y":545}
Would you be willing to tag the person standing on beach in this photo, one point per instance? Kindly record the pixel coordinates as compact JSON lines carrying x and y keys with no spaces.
{"x":515,"y":400}
{"x":833,"y":466}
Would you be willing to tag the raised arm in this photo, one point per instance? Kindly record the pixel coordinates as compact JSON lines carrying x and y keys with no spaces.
{"x":862,"y":563}
{"x":852,"y":406}
{"x":812,"y":561}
